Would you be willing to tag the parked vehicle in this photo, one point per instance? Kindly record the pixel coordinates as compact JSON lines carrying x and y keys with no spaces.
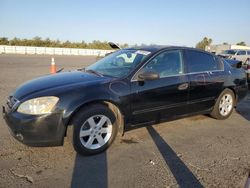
{"x":239,"y":64}
{"x":241,"y":55}
{"x":90,"y":106}
{"x":246,"y":66}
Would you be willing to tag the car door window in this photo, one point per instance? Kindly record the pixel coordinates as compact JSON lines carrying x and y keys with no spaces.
{"x":248,"y":52}
{"x":168,"y":63}
{"x":201,"y":62}
{"x":241,"y":52}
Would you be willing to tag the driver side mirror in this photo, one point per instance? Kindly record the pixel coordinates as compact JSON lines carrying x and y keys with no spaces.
{"x":148,"y":75}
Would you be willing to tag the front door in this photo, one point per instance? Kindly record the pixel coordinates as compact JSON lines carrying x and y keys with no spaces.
{"x":152,"y":100}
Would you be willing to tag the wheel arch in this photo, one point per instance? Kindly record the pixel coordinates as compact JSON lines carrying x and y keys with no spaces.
{"x":235,"y":93}
{"x":110,"y":104}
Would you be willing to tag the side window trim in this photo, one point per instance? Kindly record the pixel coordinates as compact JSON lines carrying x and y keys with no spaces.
{"x":134,"y":77}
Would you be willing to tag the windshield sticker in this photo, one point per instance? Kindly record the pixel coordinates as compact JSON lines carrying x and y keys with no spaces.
{"x":142,"y":52}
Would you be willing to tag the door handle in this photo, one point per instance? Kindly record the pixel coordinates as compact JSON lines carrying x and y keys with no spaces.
{"x":183,"y":86}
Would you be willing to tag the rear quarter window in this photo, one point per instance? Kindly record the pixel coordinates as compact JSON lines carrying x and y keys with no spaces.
{"x":200,"y":62}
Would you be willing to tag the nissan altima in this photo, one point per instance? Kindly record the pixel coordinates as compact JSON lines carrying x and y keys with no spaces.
{"x":128,"y":88}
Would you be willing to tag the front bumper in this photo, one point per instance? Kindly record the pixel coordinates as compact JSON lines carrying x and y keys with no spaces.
{"x":31,"y":130}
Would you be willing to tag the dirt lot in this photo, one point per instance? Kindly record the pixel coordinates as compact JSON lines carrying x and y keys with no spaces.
{"x":192,"y":152}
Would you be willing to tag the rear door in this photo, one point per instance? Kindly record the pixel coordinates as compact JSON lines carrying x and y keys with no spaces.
{"x":206,"y":78}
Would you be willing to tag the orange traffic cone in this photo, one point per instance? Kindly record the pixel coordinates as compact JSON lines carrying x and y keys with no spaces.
{"x":53,"y":66}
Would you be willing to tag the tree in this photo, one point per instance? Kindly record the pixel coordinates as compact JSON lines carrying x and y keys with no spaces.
{"x":83,"y":44}
{"x":47,"y":42}
{"x":225,"y":43}
{"x":66,"y":44}
{"x":205,"y":42}
{"x":38,"y":41}
{"x":241,"y":43}
{"x":15,"y":42}
{"x":4,"y":41}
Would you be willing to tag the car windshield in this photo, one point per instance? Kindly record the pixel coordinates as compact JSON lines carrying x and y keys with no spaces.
{"x":119,"y":63}
{"x":230,"y":52}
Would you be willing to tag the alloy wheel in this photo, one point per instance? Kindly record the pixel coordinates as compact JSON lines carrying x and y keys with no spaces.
{"x":226,"y":104}
{"x":95,"y":131}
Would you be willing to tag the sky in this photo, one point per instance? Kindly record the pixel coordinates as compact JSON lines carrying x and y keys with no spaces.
{"x":163,"y":22}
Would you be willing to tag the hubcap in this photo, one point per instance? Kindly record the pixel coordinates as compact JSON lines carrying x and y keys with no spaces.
{"x":226,"y":104}
{"x":96,"y":131}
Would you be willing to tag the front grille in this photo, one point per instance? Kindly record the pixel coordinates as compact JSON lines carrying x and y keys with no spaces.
{"x":12,"y":102}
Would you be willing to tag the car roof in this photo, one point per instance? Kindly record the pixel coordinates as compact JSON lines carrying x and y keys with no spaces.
{"x":148,"y":48}
{"x":155,"y":48}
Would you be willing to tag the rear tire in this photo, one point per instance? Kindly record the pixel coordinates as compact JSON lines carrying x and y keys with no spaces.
{"x":224,"y":105}
{"x":93,"y":129}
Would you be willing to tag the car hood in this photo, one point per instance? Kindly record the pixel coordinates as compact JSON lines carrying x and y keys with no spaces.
{"x":55,"y":80}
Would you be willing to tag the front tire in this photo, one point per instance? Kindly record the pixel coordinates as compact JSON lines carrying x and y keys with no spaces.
{"x":224,"y":105}
{"x":94,"y":129}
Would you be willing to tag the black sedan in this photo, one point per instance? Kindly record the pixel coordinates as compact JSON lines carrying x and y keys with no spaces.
{"x":128,"y":88}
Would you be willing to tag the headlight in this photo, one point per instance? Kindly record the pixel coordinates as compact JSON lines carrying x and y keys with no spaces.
{"x":38,"y":106}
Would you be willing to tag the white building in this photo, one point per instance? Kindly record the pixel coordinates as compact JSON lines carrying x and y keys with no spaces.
{"x":217,"y":49}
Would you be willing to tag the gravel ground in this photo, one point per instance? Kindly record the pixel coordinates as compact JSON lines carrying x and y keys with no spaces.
{"x":193,"y":152}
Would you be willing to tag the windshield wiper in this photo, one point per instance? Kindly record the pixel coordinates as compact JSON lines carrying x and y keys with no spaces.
{"x":90,"y":71}
{"x":94,"y":72}
{"x":60,"y":70}
{"x":81,"y":69}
